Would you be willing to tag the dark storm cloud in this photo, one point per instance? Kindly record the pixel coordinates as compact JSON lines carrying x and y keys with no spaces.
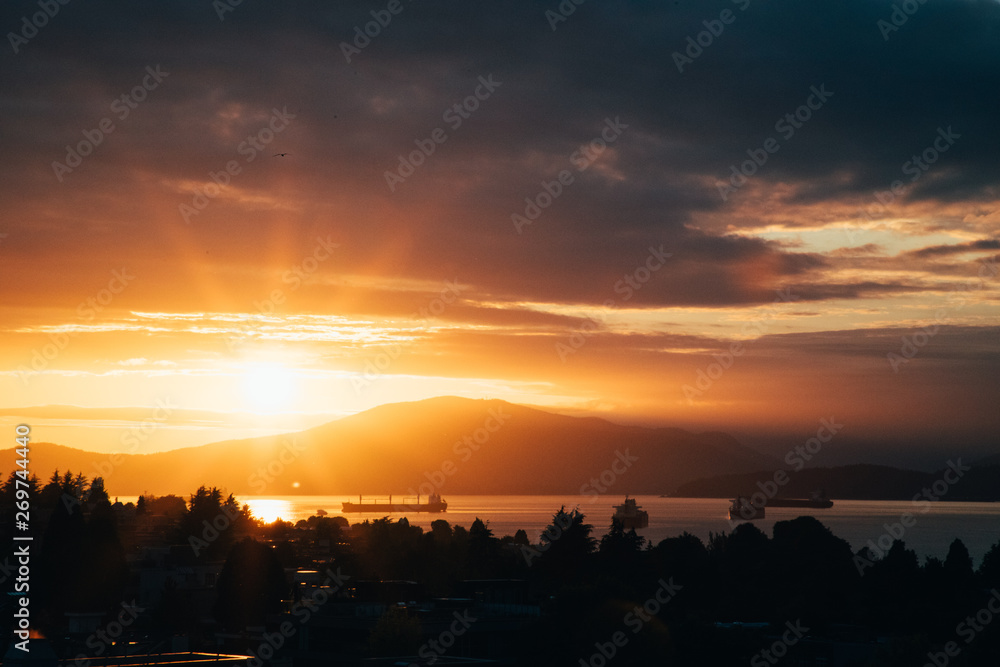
{"x":933,"y":357}
{"x":944,"y":250}
{"x":559,"y":87}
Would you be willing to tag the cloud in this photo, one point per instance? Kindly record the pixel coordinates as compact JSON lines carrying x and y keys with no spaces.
{"x":843,"y":214}
{"x":353,"y":121}
{"x":958,"y":248}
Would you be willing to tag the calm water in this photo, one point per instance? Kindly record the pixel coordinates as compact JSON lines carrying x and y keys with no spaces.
{"x":857,"y":521}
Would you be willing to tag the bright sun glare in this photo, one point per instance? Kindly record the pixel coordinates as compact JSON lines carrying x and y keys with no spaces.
{"x":269,"y":509}
{"x":268,"y":387}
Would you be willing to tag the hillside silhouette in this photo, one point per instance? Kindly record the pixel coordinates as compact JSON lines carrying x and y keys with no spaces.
{"x":397,"y":447}
{"x":855,"y":482}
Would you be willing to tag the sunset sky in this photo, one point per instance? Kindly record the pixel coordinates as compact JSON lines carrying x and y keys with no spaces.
{"x":333,"y":279}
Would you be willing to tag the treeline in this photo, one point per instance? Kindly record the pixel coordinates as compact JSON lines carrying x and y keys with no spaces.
{"x":588,"y":585}
{"x":802,"y":574}
{"x":75,"y":563}
{"x":80,"y":540}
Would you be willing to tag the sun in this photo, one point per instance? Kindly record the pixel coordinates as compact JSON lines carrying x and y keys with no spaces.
{"x":268,"y":387}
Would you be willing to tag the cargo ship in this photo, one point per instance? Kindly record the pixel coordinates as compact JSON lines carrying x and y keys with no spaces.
{"x":741,"y":509}
{"x":434,"y":504}
{"x":631,"y":515}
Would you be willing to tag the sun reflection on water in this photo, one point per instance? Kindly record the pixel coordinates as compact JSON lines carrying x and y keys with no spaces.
{"x":270,"y":509}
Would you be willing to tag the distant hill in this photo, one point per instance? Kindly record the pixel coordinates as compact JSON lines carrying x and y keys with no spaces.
{"x":855,"y":482}
{"x":443,"y":442}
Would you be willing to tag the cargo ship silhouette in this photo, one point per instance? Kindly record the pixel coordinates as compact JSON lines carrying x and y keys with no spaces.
{"x":434,"y":504}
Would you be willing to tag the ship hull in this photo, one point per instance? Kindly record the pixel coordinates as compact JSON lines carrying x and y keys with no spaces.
{"x":742,"y":509}
{"x":630,"y":515}
{"x":633,"y":521}
{"x":393,"y":508}
{"x":747,"y":514}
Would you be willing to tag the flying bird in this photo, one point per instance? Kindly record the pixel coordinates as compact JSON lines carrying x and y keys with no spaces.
{"x":281,"y":154}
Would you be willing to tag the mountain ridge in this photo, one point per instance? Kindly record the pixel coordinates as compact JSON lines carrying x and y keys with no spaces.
{"x":450,"y":444}
{"x":861,"y":481}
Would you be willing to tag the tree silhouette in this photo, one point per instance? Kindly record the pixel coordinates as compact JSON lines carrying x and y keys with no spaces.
{"x":620,"y":553}
{"x":686,"y":559}
{"x":8,"y":498}
{"x":63,"y":490}
{"x":958,"y":563}
{"x":62,"y":565}
{"x":566,"y":547}
{"x":989,"y":569}
{"x":106,"y":566}
{"x":211,"y":524}
{"x":618,"y":541}
{"x":811,"y":563}
{"x":743,"y":561}
{"x":97,"y":492}
{"x":893,"y":585}
{"x":484,"y":551}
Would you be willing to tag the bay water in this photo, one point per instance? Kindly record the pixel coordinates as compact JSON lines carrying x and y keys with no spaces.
{"x":934,"y":525}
